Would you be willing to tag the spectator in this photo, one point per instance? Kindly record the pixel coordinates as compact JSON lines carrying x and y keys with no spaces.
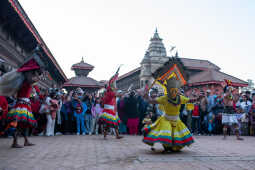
{"x":96,"y":112}
{"x":3,"y":113}
{"x":88,"y":115}
{"x":66,"y":111}
{"x":203,"y":111}
{"x":196,"y":120}
{"x":52,"y":102}
{"x":131,"y":109}
{"x":80,"y":109}
{"x":245,"y":104}
{"x":252,"y":116}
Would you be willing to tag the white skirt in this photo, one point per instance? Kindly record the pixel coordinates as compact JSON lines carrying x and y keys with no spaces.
{"x":230,"y":118}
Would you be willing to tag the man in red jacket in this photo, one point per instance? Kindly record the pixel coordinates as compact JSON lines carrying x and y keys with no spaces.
{"x":195,"y":119}
{"x":3,"y":113}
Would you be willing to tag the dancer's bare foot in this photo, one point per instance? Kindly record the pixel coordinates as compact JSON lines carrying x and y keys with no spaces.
{"x":15,"y":145}
{"x":28,"y":144}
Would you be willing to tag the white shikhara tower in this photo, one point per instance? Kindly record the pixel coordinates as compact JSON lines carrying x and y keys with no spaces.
{"x":154,"y":57}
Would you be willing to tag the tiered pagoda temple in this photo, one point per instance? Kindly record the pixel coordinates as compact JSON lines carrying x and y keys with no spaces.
{"x":81,"y":78}
{"x":203,"y":74}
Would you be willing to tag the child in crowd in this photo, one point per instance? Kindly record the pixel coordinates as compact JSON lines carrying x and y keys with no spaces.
{"x":96,"y":112}
{"x":146,"y":122}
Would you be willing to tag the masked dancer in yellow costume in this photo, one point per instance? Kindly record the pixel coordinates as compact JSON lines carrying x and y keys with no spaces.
{"x":169,"y":130}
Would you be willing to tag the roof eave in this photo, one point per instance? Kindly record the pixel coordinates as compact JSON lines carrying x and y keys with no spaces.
{"x":22,"y":14}
{"x":216,"y":82}
{"x":81,"y":85}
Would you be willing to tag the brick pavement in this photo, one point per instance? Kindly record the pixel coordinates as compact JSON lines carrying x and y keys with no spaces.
{"x":94,"y":153}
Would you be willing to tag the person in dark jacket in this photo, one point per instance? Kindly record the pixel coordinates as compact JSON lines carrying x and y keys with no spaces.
{"x":131,"y":109}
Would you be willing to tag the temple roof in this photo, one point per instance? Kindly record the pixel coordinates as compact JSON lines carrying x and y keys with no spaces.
{"x":82,"y":65}
{"x":156,"y":47}
{"x":214,"y":76}
{"x":129,"y":73}
{"x":82,"y":68}
{"x":209,"y":73}
{"x":199,"y":64}
{"x":82,"y":81}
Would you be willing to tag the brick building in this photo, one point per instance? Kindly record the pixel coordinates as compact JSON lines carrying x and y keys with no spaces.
{"x":18,"y":37}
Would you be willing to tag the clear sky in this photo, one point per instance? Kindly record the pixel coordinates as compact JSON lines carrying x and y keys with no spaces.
{"x":113,"y":32}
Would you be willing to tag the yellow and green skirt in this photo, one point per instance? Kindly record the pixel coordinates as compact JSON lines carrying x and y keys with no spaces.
{"x":22,"y":115}
{"x":109,"y":118}
{"x":171,"y":133}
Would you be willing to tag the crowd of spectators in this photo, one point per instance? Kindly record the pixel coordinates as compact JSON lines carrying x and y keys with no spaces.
{"x":77,"y":112}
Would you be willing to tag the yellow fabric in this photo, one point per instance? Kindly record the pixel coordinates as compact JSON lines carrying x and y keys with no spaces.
{"x":20,"y":111}
{"x":174,"y":148}
{"x":172,"y":134}
{"x":166,"y":128}
{"x":190,"y":106}
{"x":110,"y":116}
{"x":174,"y":130}
{"x":146,"y":120}
{"x":169,"y":108}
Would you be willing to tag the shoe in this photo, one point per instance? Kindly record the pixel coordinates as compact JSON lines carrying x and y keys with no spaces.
{"x":240,"y":138}
{"x":29,"y":144}
{"x":78,"y":134}
{"x":41,"y":134}
{"x":16,"y":146}
{"x":83,"y":134}
{"x":58,"y":134}
{"x":119,"y":137}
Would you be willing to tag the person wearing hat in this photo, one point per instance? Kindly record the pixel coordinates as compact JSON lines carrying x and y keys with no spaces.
{"x":20,"y":82}
{"x":168,"y":129}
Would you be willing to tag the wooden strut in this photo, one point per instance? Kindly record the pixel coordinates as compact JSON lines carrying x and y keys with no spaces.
{"x":151,"y":85}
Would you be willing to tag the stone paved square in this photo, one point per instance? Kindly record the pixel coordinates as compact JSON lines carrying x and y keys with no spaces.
{"x":95,"y":153}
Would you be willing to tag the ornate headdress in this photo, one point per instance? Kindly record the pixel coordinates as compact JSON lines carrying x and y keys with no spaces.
{"x":171,"y":74}
{"x":228,"y":86}
{"x":11,"y":81}
{"x":34,"y":62}
{"x":173,"y":82}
